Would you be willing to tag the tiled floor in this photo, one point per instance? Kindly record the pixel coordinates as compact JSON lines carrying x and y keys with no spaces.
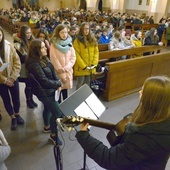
{"x":31,"y":149}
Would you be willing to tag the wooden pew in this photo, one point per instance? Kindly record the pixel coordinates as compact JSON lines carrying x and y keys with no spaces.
{"x":103,"y":55}
{"x":20,"y":24}
{"x":143,"y":27}
{"x":103,"y":47}
{"x":127,"y":76}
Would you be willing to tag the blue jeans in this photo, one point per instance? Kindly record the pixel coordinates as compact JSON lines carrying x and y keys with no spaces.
{"x":51,"y":112}
{"x":7,"y":93}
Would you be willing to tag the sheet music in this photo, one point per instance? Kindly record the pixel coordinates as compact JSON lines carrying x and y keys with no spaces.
{"x":4,"y":66}
{"x":95,"y":104}
{"x":84,"y":110}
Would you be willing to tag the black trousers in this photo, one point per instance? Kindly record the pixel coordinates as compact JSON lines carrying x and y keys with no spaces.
{"x":10,"y":97}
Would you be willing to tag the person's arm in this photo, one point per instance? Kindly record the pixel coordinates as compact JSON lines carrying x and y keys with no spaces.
{"x":36,"y":70}
{"x":111,"y":45}
{"x":133,"y":150}
{"x":71,"y":62}
{"x":95,"y":56}
{"x":5,"y":149}
{"x":54,"y":59}
{"x":79,"y":60}
{"x":16,"y":64}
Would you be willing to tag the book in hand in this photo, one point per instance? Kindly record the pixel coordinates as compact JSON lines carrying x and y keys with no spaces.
{"x":3,"y":66}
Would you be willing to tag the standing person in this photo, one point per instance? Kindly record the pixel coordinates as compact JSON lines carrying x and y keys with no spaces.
{"x":5,"y":150}
{"x":87,"y":55}
{"x":145,"y":144}
{"x":9,"y":86}
{"x":62,"y":56}
{"x":21,"y":43}
{"x":44,"y":84}
{"x":42,"y":34}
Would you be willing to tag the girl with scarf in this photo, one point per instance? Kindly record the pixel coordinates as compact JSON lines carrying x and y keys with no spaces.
{"x":87,"y":55}
{"x":62,"y":56}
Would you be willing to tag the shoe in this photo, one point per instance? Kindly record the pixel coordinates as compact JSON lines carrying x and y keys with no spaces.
{"x":55,"y":140}
{"x":0,"y":117}
{"x":34,"y":104}
{"x":13,"y":124}
{"x":20,"y":120}
{"x":47,"y":130}
{"x":30,"y":104}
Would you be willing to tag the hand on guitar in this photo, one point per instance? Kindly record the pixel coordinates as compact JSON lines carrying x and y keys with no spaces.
{"x":84,"y":126}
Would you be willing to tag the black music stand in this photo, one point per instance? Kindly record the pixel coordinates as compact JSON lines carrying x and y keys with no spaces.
{"x":83,"y":102}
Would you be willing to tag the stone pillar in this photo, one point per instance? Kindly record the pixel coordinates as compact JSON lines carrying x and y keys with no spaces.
{"x":157,"y":9}
{"x":83,"y":4}
{"x":92,"y":5}
{"x":117,"y":5}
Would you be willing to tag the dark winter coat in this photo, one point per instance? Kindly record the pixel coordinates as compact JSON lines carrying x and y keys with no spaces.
{"x":141,"y":148}
{"x":43,"y":78}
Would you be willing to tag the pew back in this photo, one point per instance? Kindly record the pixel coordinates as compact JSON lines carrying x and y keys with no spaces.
{"x":118,"y":53}
{"x":127,"y":76}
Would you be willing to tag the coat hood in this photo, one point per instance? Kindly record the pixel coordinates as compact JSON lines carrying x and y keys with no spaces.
{"x":158,"y":132}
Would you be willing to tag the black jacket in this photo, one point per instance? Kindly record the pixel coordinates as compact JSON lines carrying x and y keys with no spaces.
{"x":141,"y":148}
{"x":44,"y":81}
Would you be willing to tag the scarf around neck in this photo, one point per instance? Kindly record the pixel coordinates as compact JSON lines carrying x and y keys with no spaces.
{"x":63,"y":45}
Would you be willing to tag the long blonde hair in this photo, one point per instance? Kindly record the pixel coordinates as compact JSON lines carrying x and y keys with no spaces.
{"x":155,"y":101}
{"x":90,"y":38}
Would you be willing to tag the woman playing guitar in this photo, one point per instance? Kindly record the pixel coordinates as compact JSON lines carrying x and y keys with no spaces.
{"x":145,"y":144}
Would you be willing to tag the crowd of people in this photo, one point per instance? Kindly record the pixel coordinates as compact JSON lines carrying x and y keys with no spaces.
{"x":47,"y":64}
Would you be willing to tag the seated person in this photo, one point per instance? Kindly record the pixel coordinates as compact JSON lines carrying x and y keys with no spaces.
{"x":98,"y":34}
{"x":152,"y":38}
{"x":137,"y":41}
{"x":127,"y":41}
{"x":104,"y":38}
{"x":116,"y":41}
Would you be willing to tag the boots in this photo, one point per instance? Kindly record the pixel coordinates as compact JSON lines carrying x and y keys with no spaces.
{"x":30,"y":102}
{"x":35,"y":104}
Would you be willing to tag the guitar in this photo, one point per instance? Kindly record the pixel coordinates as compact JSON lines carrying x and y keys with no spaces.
{"x":68,"y":123}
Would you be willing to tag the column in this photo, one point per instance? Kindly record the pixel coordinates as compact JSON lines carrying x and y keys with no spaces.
{"x":157,"y":8}
{"x":117,"y":5}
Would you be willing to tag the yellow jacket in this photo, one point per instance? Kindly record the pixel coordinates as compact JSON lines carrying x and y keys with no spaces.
{"x":85,"y":57}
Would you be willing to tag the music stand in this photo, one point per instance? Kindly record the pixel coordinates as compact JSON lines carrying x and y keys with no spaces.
{"x":83,"y":102}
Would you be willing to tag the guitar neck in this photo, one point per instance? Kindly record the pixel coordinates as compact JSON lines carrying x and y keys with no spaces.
{"x":100,"y":124}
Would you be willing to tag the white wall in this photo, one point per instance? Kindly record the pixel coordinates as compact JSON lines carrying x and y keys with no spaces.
{"x":5,"y":4}
{"x":133,"y":5}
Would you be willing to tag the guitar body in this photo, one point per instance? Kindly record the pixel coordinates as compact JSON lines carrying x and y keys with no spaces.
{"x":114,"y":136}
